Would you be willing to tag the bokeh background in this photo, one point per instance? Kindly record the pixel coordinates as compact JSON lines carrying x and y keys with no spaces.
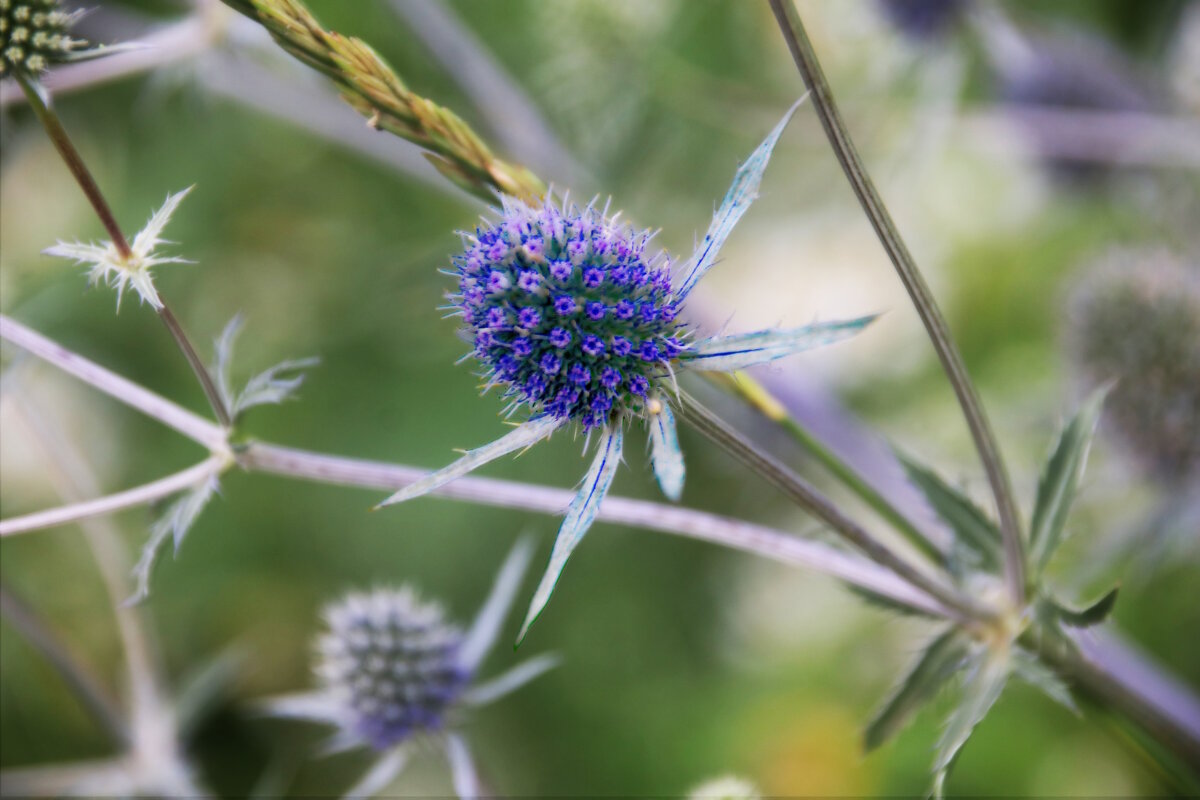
{"x":1029,"y":151}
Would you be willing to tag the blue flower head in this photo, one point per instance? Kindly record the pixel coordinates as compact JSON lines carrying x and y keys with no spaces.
{"x":571,"y":314}
{"x":393,"y":670}
{"x":392,"y":659}
{"x":567,"y":310}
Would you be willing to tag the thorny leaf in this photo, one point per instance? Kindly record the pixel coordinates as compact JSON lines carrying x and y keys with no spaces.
{"x":580,"y":515}
{"x":1060,"y":479}
{"x":271,"y":386}
{"x":741,"y":194}
{"x":940,"y":661}
{"x":665,"y":455}
{"x":1027,"y":667}
{"x":987,"y":673}
{"x":731,"y":353}
{"x":520,"y":437}
{"x":175,"y":523}
{"x":1094,"y":614}
{"x":972,"y":528}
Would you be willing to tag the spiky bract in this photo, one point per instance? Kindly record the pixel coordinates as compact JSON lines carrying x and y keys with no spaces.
{"x":391,"y":659}
{"x":566,"y":310}
{"x":33,"y":35}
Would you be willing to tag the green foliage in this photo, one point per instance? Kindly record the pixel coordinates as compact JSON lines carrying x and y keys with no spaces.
{"x":940,"y":661}
{"x":1093,"y":614}
{"x":973,"y":530}
{"x":986,"y":674}
{"x":1060,"y":480}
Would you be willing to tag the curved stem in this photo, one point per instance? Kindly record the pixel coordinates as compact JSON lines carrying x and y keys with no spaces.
{"x":761,"y":398}
{"x":109,"y":504}
{"x":81,"y":680}
{"x":807,"y":497}
{"x":39,"y":101}
{"x":131,"y":394}
{"x":733,"y":533}
{"x":935,"y":325}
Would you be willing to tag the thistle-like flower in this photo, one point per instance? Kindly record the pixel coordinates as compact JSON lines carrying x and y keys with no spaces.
{"x":110,"y":266}
{"x":33,"y":35}
{"x":1136,"y":319}
{"x":570,"y":313}
{"x":395,"y":672}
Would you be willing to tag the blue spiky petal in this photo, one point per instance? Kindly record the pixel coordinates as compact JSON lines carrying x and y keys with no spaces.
{"x":567,"y":311}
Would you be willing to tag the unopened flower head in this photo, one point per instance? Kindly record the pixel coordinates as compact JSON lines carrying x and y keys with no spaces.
{"x":1136,"y":319}
{"x":33,"y":35}
{"x":568,"y":311}
{"x":109,"y":265}
{"x":391,"y":658}
{"x":393,"y":670}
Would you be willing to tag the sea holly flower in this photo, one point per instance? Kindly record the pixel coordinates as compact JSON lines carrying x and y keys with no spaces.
{"x":109,"y":265}
{"x":395,"y":672}
{"x":33,"y":35}
{"x":609,"y":338}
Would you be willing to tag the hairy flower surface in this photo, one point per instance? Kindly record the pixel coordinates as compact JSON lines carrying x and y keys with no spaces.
{"x":393,"y":669}
{"x":110,"y":266}
{"x":566,"y":310}
{"x":1135,"y":319}
{"x":33,"y":35}
{"x":392,"y":659}
{"x":569,"y":312}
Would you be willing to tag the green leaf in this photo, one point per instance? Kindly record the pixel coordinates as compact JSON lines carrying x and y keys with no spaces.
{"x":1060,"y":479}
{"x":971,"y":526}
{"x":886,"y":603}
{"x":937,"y":664}
{"x":1039,"y":676}
{"x":986,"y":677}
{"x":1094,"y":614}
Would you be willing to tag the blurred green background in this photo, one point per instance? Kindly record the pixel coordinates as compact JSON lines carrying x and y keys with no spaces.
{"x":681,"y":660}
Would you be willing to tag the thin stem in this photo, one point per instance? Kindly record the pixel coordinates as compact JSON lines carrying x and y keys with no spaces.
{"x":1142,"y":690}
{"x":927,"y":308}
{"x":39,"y":634}
{"x":736,"y":534}
{"x":154,"y":743}
{"x":131,"y":394}
{"x":807,"y":497}
{"x":39,"y":101}
{"x":1095,"y":669}
{"x":110,"y":504}
{"x":206,"y":381}
{"x":770,"y":407}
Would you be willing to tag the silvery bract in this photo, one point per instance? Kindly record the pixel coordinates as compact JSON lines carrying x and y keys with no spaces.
{"x":572,"y":315}
{"x":110,"y":266}
{"x":393,"y":671}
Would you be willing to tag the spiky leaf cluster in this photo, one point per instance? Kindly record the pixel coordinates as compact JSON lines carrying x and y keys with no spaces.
{"x":33,"y":35}
{"x":565,"y":309}
{"x":1136,"y":319}
{"x":391,"y":659}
